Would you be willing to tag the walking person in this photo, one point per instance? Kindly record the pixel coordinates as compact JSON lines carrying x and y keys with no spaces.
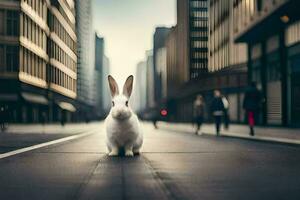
{"x":226,"y":112}
{"x":199,"y":105}
{"x":217,"y":108}
{"x":251,"y":104}
{"x":2,"y":118}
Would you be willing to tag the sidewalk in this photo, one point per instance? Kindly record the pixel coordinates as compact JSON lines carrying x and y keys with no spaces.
{"x":69,"y":128}
{"x":267,"y":134}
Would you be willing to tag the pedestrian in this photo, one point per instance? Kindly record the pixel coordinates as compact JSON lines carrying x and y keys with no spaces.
{"x":217,"y":108}
{"x":226,"y":112}
{"x":199,"y":106}
{"x":251,"y":104}
{"x":2,"y":118}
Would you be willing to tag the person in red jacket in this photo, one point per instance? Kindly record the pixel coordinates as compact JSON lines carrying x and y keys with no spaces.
{"x":252,"y":104}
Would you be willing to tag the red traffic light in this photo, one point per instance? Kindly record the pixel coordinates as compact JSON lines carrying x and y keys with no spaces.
{"x":164,"y":112}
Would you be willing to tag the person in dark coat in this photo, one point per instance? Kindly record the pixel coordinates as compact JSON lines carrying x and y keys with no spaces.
{"x":252,"y":104}
{"x":217,"y":108}
{"x":199,"y":105}
{"x":2,"y":118}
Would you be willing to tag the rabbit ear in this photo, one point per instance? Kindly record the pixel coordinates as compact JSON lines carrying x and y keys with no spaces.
{"x":127,"y":88}
{"x":114,"y":89}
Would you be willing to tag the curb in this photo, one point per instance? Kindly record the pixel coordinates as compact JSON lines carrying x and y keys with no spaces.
{"x":260,"y":139}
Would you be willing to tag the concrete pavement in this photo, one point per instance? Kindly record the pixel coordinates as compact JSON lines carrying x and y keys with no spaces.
{"x":19,"y":136}
{"x":173,"y":165}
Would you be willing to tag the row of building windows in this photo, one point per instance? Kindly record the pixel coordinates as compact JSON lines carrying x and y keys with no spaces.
{"x":60,"y":31}
{"x":199,"y":34}
{"x":39,"y":6}
{"x":199,"y":4}
{"x":33,"y":32}
{"x":199,"y":55}
{"x":58,"y":54}
{"x":33,"y":64}
{"x":198,"y":14}
{"x":9,"y":23}
{"x":200,"y":23}
{"x":9,"y":58}
{"x":199,"y":44}
{"x":62,"y":79}
{"x":199,"y":65}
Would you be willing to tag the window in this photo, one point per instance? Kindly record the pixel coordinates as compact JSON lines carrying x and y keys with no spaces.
{"x":2,"y":22}
{"x":2,"y":58}
{"x":12,"y":23}
{"x":12,"y":58}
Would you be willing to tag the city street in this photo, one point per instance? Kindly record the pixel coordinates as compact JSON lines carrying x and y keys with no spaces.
{"x":173,"y":165}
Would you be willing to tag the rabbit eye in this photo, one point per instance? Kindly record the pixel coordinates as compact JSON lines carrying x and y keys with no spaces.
{"x":126,"y":103}
{"x":113,"y":103}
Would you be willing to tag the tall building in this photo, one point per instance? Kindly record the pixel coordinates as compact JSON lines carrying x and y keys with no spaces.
{"x":161,"y":68}
{"x":101,"y":93}
{"x":174,"y":74}
{"x":140,"y":96}
{"x":187,"y":57}
{"x":38,"y":61}
{"x":192,"y":25}
{"x":150,"y":100}
{"x":159,"y":40}
{"x":271,"y":31}
{"x":85,"y":52}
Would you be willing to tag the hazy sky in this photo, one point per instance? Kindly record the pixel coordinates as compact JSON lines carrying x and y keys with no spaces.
{"x":128,"y":27}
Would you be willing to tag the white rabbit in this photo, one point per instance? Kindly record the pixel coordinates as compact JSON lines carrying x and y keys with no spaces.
{"x":122,"y":125}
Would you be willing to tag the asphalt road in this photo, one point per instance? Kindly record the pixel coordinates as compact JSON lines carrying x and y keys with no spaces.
{"x":173,"y":165}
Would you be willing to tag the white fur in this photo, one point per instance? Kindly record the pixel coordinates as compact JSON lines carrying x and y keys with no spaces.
{"x":122,"y":126}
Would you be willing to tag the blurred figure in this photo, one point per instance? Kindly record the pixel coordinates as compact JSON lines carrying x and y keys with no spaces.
{"x":154,"y":118}
{"x":217,"y":108}
{"x":4,"y":117}
{"x":226,"y":113}
{"x":199,"y":112}
{"x":154,"y":121}
{"x":251,"y":104}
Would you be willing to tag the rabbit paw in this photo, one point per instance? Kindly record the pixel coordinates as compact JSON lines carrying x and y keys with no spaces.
{"x":129,"y":153}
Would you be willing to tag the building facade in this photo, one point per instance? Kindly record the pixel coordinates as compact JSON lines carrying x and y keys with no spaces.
{"x":227,"y":59}
{"x":271,"y":31}
{"x":38,"y":60}
{"x":100,"y":90}
{"x":140,"y":92}
{"x":159,"y":40}
{"x":202,"y":57}
{"x":85,"y":52}
{"x":150,"y":100}
{"x":192,"y":25}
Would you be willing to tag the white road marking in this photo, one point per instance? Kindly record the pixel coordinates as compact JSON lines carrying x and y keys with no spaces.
{"x":26,"y":149}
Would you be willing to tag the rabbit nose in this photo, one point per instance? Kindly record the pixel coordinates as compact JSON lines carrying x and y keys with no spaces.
{"x":121,"y":110}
